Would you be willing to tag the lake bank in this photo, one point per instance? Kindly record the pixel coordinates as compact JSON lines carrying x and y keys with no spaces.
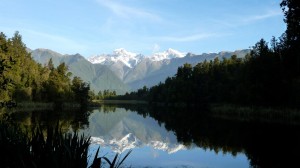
{"x":255,"y":113}
{"x":96,"y":103}
{"x":225,"y":111}
{"x":39,"y":106}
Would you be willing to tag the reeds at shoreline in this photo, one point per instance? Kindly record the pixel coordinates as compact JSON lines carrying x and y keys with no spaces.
{"x":48,"y":148}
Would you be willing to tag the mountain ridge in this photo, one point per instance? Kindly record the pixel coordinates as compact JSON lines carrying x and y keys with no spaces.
{"x":124,"y":70}
{"x":99,"y":76}
{"x":131,"y":59}
{"x":123,"y":130}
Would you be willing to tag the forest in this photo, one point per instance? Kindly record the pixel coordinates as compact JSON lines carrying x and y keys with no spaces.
{"x":22,"y":79}
{"x":268,"y":76}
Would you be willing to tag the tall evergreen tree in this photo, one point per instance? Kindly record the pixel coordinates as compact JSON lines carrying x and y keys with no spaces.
{"x":291,"y":9}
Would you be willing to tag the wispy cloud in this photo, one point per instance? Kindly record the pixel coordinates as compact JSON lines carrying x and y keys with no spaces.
{"x":267,"y":15}
{"x":127,"y":12}
{"x":189,"y":38}
{"x":236,"y":21}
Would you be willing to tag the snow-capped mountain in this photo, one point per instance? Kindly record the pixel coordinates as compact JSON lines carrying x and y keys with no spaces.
{"x":123,"y":130}
{"x":130,"y":59}
{"x":130,"y":141}
{"x":137,"y":70}
{"x":169,"y":54}
{"x":123,"y":70}
{"x":129,"y":66}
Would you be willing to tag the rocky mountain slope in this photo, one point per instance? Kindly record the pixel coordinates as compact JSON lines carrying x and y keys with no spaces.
{"x":137,"y":70}
{"x":99,"y":76}
{"x":123,"y":70}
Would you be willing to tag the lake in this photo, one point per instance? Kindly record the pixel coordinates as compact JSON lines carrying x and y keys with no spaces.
{"x":176,"y":137}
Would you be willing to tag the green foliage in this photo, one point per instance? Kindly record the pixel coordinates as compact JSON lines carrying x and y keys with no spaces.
{"x":140,"y":94}
{"x":258,"y":79}
{"x":22,"y":79}
{"x":80,"y":90}
{"x":105,"y":94}
{"x":268,"y":76}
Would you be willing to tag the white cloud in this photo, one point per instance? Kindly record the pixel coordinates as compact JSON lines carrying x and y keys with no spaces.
{"x":127,"y":12}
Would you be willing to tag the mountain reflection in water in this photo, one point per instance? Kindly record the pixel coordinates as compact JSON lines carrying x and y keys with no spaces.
{"x":122,"y":130}
{"x":174,"y":137}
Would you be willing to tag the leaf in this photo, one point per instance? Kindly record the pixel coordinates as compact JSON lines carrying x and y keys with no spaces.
{"x":114,"y":161}
{"x":127,"y":154}
{"x":96,"y":161}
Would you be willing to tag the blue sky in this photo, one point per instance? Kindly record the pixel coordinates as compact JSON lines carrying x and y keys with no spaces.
{"x":91,"y":27}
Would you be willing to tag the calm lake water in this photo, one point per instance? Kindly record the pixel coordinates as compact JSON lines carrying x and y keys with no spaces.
{"x":177,"y":137}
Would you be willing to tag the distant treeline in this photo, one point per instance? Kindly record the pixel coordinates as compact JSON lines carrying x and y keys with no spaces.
{"x":22,"y":79}
{"x":105,"y":94}
{"x":268,"y":76}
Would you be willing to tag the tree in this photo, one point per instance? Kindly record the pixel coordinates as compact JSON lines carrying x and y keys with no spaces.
{"x":50,"y":64}
{"x":291,"y":9}
{"x":185,"y":71}
{"x":22,"y":79}
{"x":100,"y":96}
{"x":81,"y":90}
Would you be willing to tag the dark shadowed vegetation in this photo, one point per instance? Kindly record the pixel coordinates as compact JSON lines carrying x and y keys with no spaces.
{"x":47,"y":146}
{"x":266,"y":142}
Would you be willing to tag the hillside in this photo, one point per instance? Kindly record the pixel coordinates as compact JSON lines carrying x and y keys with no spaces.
{"x":99,"y":76}
{"x":123,"y":71}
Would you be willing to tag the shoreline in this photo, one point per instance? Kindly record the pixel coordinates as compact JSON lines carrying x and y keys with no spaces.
{"x":281,"y":115}
{"x":37,"y":106}
{"x":103,"y":102}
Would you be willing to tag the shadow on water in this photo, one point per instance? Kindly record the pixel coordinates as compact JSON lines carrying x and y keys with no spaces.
{"x":266,"y":144}
{"x":42,"y":139}
{"x":48,"y":139}
{"x":73,"y":119}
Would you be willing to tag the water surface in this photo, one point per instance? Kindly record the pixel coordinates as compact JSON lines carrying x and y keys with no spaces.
{"x":176,"y":137}
{"x":152,"y":144}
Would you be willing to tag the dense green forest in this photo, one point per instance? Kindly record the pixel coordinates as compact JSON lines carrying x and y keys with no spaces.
{"x":268,"y":76}
{"x":22,"y":79}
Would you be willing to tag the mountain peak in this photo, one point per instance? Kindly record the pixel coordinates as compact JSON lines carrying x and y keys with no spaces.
{"x":130,"y":59}
{"x":123,"y":52}
{"x":130,"y":141}
{"x":175,"y":52}
{"x":168,"y":54}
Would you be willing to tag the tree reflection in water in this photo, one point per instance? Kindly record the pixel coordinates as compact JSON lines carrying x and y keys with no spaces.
{"x":66,"y":119}
{"x":265,"y":144}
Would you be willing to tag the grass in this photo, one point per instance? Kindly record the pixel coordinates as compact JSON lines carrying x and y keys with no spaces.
{"x":47,"y":149}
